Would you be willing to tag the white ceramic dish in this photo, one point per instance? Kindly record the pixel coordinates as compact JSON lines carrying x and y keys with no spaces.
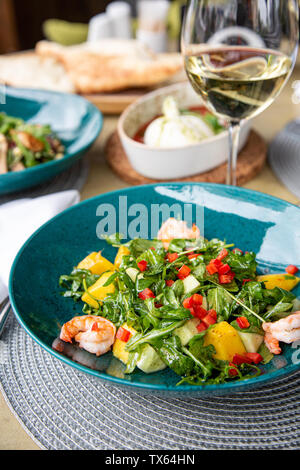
{"x":177,"y":162}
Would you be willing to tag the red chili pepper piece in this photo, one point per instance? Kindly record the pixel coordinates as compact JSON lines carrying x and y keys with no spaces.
{"x":172,"y":257}
{"x":233,"y":370}
{"x":291,"y":269}
{"x":217,"y":262}
{"x":95,"y":326}
{"x":146,"y":294}
{"x":123,"y":334}
{"x":211,"y":269}
{"x":226,"y":278}
{"x":169,"y":282}
{"x":254,"y":357}
{"x":242,"y":322}
{"x":238,"y":359}
{"x":192,"y":311}
{"x":188,"y":303}
{"x":157,"y":305}
{"x":222,"y":255}
{"x":197,"y":299}
{"x":246,"y":280}
{"x":142,"y":265}
{"x":184,"y":272}
{"x":237,"y":249}
{"x":224,"y":269}
{"x":210,"y":319}
{"x":201,"y":327}
{"x":193,"y":303}
{"x":199,"y":311}
{"x":213,"y":313}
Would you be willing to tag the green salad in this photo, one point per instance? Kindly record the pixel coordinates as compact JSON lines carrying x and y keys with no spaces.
{"x":24,"y":145}
{"x":196,"y":306}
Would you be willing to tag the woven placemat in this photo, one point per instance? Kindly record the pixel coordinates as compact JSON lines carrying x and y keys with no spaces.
{"x":73,"y":178}
{"x":62,"y":408}
{"x":284,"y":156}
{"x":250,"y":162}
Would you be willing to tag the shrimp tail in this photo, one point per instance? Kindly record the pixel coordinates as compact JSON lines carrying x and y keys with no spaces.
{"x":272,"y":344}
{"x":66,"y":335}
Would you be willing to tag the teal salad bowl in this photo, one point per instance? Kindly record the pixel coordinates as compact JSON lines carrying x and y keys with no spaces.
{"x":76,"y":122}
{"x":253,"y":221}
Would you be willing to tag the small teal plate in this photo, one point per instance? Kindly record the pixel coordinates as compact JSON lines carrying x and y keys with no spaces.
{"x":251,"y":220}
{"x":76,"y":122}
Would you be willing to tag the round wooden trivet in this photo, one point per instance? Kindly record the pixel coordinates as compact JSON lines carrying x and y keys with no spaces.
{"x":250,"y":162}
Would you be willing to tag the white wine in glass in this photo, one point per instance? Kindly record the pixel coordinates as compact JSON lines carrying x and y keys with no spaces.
{"x":238,"y":57}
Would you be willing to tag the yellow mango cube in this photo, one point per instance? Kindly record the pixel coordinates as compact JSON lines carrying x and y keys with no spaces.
{"x":119,"y":350}
{"x":98,"y":291}
{"x":226,"y":341}
{"x":96,"y":263}
{"x":284,"y":281}
{"x":123,"y":251}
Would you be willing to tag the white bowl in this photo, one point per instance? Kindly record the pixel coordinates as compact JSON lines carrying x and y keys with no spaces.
{"x":176,"y":162}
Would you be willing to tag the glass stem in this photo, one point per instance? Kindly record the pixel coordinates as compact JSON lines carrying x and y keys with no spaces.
{"x":234,"y":133}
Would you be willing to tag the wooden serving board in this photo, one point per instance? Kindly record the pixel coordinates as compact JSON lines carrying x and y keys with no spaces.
{"x":250,"y":162}
{"x":116,"y":102}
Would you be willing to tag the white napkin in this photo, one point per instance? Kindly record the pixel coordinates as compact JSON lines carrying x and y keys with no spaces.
{"x":19,"y":219}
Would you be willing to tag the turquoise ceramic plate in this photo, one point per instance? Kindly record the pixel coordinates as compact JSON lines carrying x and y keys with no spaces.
{"x":251,"y":220}
{"x":76,"y":122}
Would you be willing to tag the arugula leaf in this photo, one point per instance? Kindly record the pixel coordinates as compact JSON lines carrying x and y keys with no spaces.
{"x":220,"y":301}
{"x":73,"y":283}
{"x":140,"y":245}
{"x":199,"y":271}
{"x":243,"y":265}
{"x":111,"y":279}
{"x":139,"y":339}
{"x":133,"y":357}
{"x":279,"y":308}
{"x":144,"y":282}
{"x":177,"y":245}
{"x":170,"y":351}
{"x":178,"y":288}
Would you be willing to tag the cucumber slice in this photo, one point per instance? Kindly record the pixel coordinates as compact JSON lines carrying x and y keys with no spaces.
{"x":149,"y":360}
{"x":190,"y":283}
{"x":133,"y":273}
{"x":187,"y":331}
{"x":251,"y":341}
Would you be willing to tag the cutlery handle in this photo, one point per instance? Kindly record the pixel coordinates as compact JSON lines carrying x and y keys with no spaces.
{"x":4,"y":311}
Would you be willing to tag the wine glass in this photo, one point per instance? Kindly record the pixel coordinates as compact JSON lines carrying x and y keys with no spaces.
{"x":239,"y":55}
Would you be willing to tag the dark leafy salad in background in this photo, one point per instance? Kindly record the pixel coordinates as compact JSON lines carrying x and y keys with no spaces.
{"x":24,"y":145}
{"x":197,"y":306}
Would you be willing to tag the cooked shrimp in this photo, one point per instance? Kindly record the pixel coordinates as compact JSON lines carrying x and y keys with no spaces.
{"x":94,"y":334}
{"x":173,"y":228}
{"x":286,"y":330}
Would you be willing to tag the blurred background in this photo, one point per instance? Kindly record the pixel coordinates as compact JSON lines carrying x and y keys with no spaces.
{"x":21,"y":23}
